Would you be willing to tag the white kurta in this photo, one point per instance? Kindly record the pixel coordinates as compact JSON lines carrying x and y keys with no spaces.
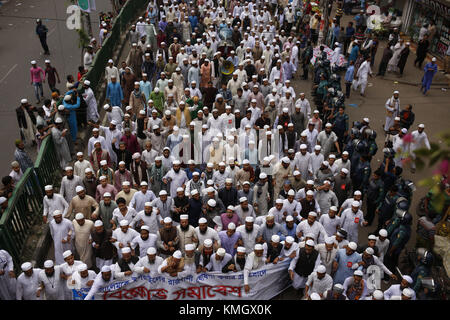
{"x":28,"y":286}
{"x":54,"y":285}
{"x":144,"y":263}
{"x":350,"y":222}
{"x":362,"y":75}
{"x":176,"y":180}
{"x":124,"y":238}
{"x":57,"y":202}
{"x":92,"y":111}
{"x":7,"y":284}
{"x":60,"y":231}
{"x":144,"y":244}
{"x":68,"y":187}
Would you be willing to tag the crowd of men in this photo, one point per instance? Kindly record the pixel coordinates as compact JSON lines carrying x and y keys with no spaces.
{"x":193,"y":171}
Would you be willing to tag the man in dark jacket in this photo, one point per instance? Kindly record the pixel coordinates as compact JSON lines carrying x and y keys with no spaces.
{"x":104,"y":251}
{"x":228,"y":194}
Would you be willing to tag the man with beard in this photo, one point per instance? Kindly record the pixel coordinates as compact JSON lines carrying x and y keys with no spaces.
{"x":142,"y":196}
{"x":52,"y":284}
{"x":290,"y":206}
{"x":186,"y":233}
{"x":302,"y":265}
{"x":310,"y":225}
{"x":220,"y":176}
{"x":282,"y":171}
{"x":244,"y":210}
{"x":68,"y":184}
{"x":145,"y":240}
{"x":195,"y":208}
{"x":176,"y":178}
{"x":273,"y":249}
{"x":204,"y":232}
{"x":228,"y":194}
{"x":323,"y":173}
{"x":351,"y":218}
{"x":246,"y":191}
{"x":168,"y":238}
{"x":195,"y":184}
{"x":302,"y":162}
{"x":103,"y":279}
{"x":269,"y":229}
{"x":254,"y":261}
{"x":155,"y":174}
{"x":330,"y":221}
{"x":52,"y":202}
{"x":103,"y":248}
{"x":127,"y":192}
{"x":121,"y":175}
{"x":342,"y":186}
{"x":318,"y":282}
{"x":211,"y":212}
{"x":180,"y":206}
{"x":28,"y":283}
{"x":396,"y":289}
{"x":230,"y":239}
{"x":246,"y":173}
{"x":237,"y":263}
{"x":249,"y":232}
{"x":123,"y":154}
{"x":203,"y":259}
{"x":326,"y":197}
{"x":62,"y":231}
{"x":149,"y":263}
{"x":308,"y":204}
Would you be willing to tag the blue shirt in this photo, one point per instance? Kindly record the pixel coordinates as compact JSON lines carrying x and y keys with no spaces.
{"x":349,"y":31}
{"x":194,"y":21}
{"x":349,"y":74}
{"x":345,"y":264}
{"x":228,"y":242}
{"x":189,"y":172}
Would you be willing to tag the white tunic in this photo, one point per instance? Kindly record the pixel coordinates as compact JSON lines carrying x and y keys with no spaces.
{"x":248,"y":238}
{"x":28,"y":286}
{"x":152,"y":221}
{"x":252,"y":263}
{"x":80,"y":167}
{"x":124,"y":238}
{"x":217,"y":265}
{"x":7,"y":284}
{"x":317,"y":229}
{"x":139,"y":199}
{"x":57,"y":202}
{"x":60,"y":231}
{"x":316,"y":161}
{"x":209,"y":234}
{"x":319,"y":285}
{"x":330,"y":225}
{"x":54,"y":285}
{"x":176,"y":180}
{"x":68,"y":187}
{"x":303,"y":164}
{"x":144,"y":263}
{"x":144,"y":244}
{"x":326,"y":257}
{"x":350,"y":222}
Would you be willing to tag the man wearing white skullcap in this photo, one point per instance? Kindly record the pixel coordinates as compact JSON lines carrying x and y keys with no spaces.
{"x":81,"y":165}
{"x":144,"y":241}
{"x":68,"y":268}
{"x":281,"y":170}
{"x":123,"y":236}
{"x":255,"y":260}
{"x":83,"y":228}
{"x":327,"y":253}
{"x":173,"y":265}
{"x":204,"y":232}
{"x":355,"y":288}
{"x":244,"y":210}
{"x":168,"y":238}
{"x":350,"y":219}
{"x":186,"y":232}
{"x":419,"y":140}
{"x":304,"y":263}
{"x":103,"y":279}
{"x":318,"y":282}
{"x":164,"y":204}
{"x":382,"y":243}
{"x":52,"y":283}
{"x":142,"y":196}
{"x":376,"y":295}
{"x":83,"y":203}
{"x":219,"y":261}
{"x":311,"y":225}
{"x":149,"y":263}
{"x":81,"y":278}
{"x":53,"y":201}
{"x":330,"y":221}
{"x":396,"y":289}
{"x":124,"y":268}
{"x":176,"y":177}
{"x":28,"y":283}
{"x":369,"y":258}
{"x":346,"y":262}
{"x":230,"y":239}
{"x":62,"y":232}
{"x":68,"y":184}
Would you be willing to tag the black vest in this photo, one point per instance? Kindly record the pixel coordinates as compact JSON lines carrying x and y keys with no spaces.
{"x":124,"y":265}
{"x":272,"y":252}
{"x":305,"y":264}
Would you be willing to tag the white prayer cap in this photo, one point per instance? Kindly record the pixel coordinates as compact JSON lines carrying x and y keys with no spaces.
{"x":303,"y":134}
{"x":249,"y":219}
{"x":285,"y":110}
{"x":184,"y":217}
{"x":303,"y":146}
{"x":68,"y":168}
{"x":163,"y":193}
{"x":310,"y":193}
{"x":434,"y":59}
{"x":189,"y":247}
{"x":79,"y":216}
{"x":286,"y":160}
{"x":194,"y":192}
{"x":126,"y":183}
{"x":310,"y":243}
{"x":79,"y":189}
{"x":102,"y":178}
{"x":228,"y":180}
{"x":259,"y":246}
{"x":328,"y":125}
{"x":221,"y":252}
{"x":242,"y":199}
{"x":291,"y":192}
{"x":123,"y":223}
{"x":98,"y":223}
{"x":145,"y":228}
{"x":151,"y":250}
{"x":275,"y":238}
{"x":210,"y":189}
{"x":110,"y":61}
{"x":321,"y":268}
{"x":26,"y":266}
{"x":289,"y":239}
{"x":126,"y":250}
{"x":24,"y":101}
{"x":33,"y":61}
{"x":82,"y":267}
{"x":314,"y":295}
{"x":67,"y":97}
{"x":58,"y":120}
{"x":167,"y":220}
{"x":316,"y":111}
{"x":378,"y":295}
{"x":79,"y":154}
{"x":180,"y":189}
{"x":357,"y":193}
{"x":310,"y":182}
{"x":211,"y":202}
{"x":372,"y":237}
{"x":327,"y":182}
{"x":408,"y":278}
{"x":344,"y":170}
{"x":312,"y":214}
{"x":279,"y":127}
{"x":143,"y":183}
{"x":358,"y":273}
{"x":48,"y":264}
{"x":352,"y":245}
{"x":222,"y":164}
{"x":67,"y":253}
{"x":396,"y":92}
{"x":279,"y":201}
{"x":136,"y":155}
{"x":408,"y":292}
{"x":95,"y":130}
{"x":103,"y":162}
{"x":106,"y":269}
{"x":56,"y":213}
{"x":421,"y":126}
{"x":231,"y":226}
{"x":355,"y":204}
{"x":202,"y":220}
{"x":317,"y":147}
{"x":345,"y":153}
{"x":207,"y":243}
{"x":289,"y":218}
{"x":329,"y":240}
{"x":383,"y":233}
{"x":48,"y":187}
{"x":404,"y":130}
{"x":369,"y":250}
{"x":241,"y":249}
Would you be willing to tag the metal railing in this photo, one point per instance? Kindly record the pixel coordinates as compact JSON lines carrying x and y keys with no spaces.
{"x":46,"y":166}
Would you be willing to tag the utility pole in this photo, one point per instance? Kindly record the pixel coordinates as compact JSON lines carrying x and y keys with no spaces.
{"x":89,"y":25}
{"x":325,"y":17}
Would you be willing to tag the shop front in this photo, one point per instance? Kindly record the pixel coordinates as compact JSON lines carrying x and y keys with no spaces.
{"x":419,"y":12}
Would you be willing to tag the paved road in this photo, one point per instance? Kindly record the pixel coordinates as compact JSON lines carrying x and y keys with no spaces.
{"x":19,"y":45}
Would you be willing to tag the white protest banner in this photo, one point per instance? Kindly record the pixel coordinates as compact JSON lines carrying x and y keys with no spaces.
{"x":265,"y":283}
{"x":316,"y":52}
